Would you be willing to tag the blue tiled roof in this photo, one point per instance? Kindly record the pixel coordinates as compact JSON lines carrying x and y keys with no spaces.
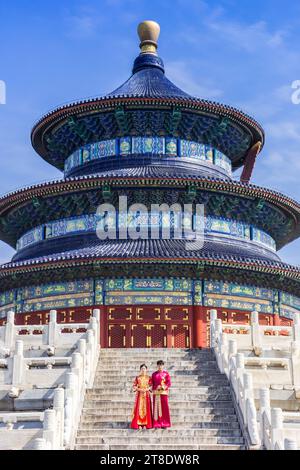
{"x":160,"y":171}
{"x":160,"y":249}
{"x":148,"y":80}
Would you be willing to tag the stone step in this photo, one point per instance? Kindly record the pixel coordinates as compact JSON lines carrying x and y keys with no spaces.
{"x":176,"y":414}
{"x":100,"y":403}
{"x":182,"y":385}
{"x":162,"y":433}
{"x":136,"y":364}
{"x":188,"y":380}
{"x":180,"y":401}
{"x":176,"y":385}
{"x":176,"y":365}
{"x":211,"y":372}
{"x":138,"y":439}
{"x":212,"y":386}
{"x":181,"y":415}
{"x":218,"y":423}
{"x":175,"y":378}
{"x":200,"y":367}
{"x":127,"y":389}
{"x":126,"y":410}
{"x":159,"y":447}
{"x":201,"y":407}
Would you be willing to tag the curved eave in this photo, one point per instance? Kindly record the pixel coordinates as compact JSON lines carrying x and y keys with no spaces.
{"x":57,"y":187}
{"x":56,"y":117}
{"x":60,"y":262}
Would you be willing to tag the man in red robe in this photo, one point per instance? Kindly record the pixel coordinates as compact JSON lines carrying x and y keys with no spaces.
{"x":161,"y":383}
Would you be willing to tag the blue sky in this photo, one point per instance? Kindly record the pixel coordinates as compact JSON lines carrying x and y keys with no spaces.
{"x":245,"y":53}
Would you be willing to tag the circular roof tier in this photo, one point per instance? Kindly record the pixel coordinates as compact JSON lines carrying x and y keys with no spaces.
{"x":147,"y":104}
{"x":271,"y":211}
{"x":160,"y":260}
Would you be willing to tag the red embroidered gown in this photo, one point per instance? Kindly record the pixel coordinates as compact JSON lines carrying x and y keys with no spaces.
{"x":161,"y":383}
{"x":142,"y":410}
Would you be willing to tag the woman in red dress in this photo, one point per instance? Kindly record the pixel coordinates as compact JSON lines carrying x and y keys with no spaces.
{"x":142,"y":410}
{"x":161,"y":383}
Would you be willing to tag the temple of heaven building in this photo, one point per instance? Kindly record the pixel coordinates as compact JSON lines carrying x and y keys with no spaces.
{"x":155,"y":144}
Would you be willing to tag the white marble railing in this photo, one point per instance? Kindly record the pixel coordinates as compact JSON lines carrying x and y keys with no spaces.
{"x":265,"y":426}
{"x":51,"y":335}
{"x":11,"y":418}
{"x":279,"y":430}
{"x":61,"y":422}
{"x":256,"y":337}
{"x":68,"y":405}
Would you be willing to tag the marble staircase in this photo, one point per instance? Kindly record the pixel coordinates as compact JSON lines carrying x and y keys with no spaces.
{"x":202,"y":412}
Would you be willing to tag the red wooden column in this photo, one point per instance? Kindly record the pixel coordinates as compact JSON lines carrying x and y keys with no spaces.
{"x":199,"y":327}
{"x":103,"y":327}
{"x":276,"y":320}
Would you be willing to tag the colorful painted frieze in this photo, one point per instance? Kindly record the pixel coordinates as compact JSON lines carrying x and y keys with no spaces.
{"x":71,"y":287}
{"x":172,"y":285}
{"x":262,"y":237}
{"x":56,"y":302}
{"x":171,"y":146}
{"x":239,"y":304}
{"x":222,"y":161}
{"x":289,"y":299}
{"x":33,"y":236}
{"x":7,"y":297}
{"x":148,"y":145}
{"x":125,"y":146}
{"x":153,"y":145}
{"x":288,"y":312}
{"x":229,"y":288}
{"x":114,"y":299}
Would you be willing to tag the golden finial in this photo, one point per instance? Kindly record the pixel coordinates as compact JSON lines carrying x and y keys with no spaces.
{"x":148,"y":32}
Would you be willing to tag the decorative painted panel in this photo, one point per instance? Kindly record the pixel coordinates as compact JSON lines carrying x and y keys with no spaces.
{"x":289,"y":299}
{"x":163,"y":291}
{"x":152,"y":145}
{"x":134,"y":299}
{"x":57,"y":302}
{"x":138,"y":291}
{"x":148,"y":284}
{"x":33,"y":236}
{"x":222,"y":161}
{"x":74,"y":160}
{"x":238,"y":303}
{"x":227,"y":226}
{"x":89,"y":223}
{"x":99,"y":292}
{"x":125,"y":146}
{"x":197,"y":292}
{"x":63,"y":227}
{"x":143,"y":145}
{"x":288,"y":312}
{"x":262,"y":237}
{"x":57,"y":289}
{"x":230,"y":288}
{"x":171,"y":147}
{"x":191,"y":149}
{"x":7,"y":297}
{"x":105,"y":148}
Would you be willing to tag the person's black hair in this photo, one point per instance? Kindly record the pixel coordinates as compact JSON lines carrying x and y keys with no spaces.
{"x":143,"y":365}
{"x":160,"y":363}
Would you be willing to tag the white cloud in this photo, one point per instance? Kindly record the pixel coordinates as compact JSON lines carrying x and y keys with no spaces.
{"x":248,"y":37}
{"x":284,"y":130}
